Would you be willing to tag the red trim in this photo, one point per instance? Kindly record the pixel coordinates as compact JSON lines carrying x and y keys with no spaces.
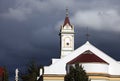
{"x":85,"y":57}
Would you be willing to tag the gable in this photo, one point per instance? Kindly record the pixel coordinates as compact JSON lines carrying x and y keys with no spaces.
{"x":60,"y":66}
{"x":87,"y":57}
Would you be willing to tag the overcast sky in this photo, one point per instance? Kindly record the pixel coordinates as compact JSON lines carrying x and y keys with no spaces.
{"x":29,"y":28}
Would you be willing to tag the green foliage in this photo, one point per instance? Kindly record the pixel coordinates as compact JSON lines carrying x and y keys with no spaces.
{"x":32,"y":72}
{"x":76,"y":73}
{"x":5,"y":74}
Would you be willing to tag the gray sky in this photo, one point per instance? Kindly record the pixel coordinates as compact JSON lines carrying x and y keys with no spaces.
{"x":29,"y":28}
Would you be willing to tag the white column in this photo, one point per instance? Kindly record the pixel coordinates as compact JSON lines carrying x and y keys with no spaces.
{"x":16,"y":74}
{"x":40,"y":73}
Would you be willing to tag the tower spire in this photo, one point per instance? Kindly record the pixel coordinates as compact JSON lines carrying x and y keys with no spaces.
{"x":67,"y":21}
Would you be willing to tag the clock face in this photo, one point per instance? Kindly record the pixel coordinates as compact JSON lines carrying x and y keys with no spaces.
{"x":67,"y":42}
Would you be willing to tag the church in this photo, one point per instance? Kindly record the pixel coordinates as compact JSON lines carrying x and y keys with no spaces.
{"x":97,"y":64}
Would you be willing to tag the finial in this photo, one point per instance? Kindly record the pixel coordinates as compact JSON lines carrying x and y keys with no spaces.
{"x":87,"y":35}
{"x":66,"y":12}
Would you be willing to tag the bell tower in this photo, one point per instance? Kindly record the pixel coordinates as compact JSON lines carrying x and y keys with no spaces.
{"x":66,"y":37}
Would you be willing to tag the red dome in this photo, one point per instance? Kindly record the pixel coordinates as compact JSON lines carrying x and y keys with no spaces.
{"x":87,"y":57}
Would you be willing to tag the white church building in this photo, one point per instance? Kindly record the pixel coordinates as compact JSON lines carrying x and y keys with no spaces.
{"x":98,"y":65}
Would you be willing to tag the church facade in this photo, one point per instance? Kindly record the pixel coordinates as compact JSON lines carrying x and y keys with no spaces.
{"x":98,"y":65}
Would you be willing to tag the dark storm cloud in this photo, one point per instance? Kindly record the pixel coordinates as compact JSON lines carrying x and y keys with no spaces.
{"x":29,"y":28}
{"x":106,"y":41}
{"x":18,"y":39}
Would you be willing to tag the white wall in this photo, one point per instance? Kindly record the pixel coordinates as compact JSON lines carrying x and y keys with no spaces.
{"x":95,"y":67}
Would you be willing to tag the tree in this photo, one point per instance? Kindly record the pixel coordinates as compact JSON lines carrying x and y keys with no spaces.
{"x":76,"y":73}
{"x":5,"y":74}
{"x":32,"y":72}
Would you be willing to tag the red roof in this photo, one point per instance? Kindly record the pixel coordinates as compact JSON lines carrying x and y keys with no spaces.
{"x":1,"y":71}
{"x":67,"y":21}
{"x":87,"y":57}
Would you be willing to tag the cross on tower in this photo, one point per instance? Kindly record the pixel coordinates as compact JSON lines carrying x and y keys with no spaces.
{"x":87,"y":35}
{"x":67,"y":12}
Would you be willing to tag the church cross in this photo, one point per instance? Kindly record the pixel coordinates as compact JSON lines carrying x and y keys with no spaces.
{"x":87,"y":35}
{"x":67,"y":12}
